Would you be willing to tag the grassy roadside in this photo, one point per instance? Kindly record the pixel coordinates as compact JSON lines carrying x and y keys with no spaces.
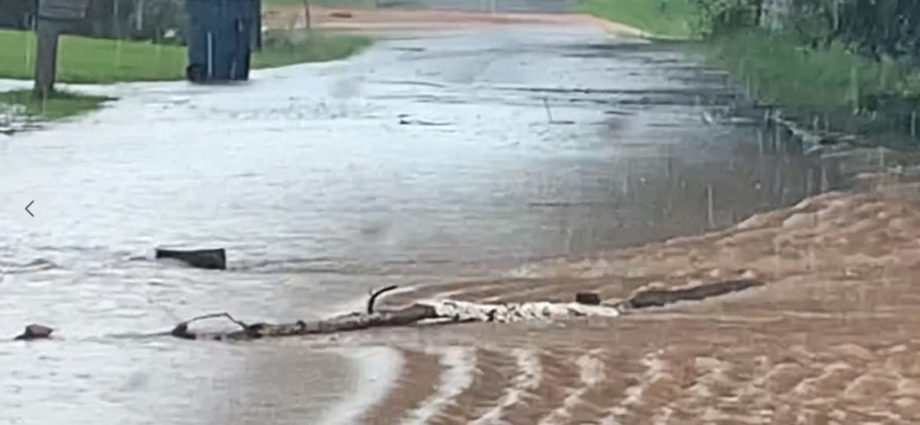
{"x":664,"y":18}
{"x":829,"y":86}
{"x":780,"y":70}
{"x":59,"y":105}
{"x":88,"y":60}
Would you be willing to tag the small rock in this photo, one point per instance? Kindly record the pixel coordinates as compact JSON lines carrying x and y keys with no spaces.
{"x":35,"y":331}
{"x":749,"y":274}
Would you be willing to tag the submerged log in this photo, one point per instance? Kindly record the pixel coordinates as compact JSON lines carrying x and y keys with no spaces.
{"x":453,"y":311}
{"x":444,"y":311}
{"x":344,"y":323}
{"x":660,"y":297}
{"x":214,"y":259}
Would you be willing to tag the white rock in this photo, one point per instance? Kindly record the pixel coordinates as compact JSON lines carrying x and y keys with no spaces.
{"x":801,"y":220}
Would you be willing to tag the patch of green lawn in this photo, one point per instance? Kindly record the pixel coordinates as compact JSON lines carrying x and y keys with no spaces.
{"x":90,"y":60}
{"x":58,"y":105}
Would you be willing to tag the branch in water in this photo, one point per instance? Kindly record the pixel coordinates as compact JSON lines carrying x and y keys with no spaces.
{"x":454,"y":311}
{"x":181,"y":330}
{"x":375,"y":294}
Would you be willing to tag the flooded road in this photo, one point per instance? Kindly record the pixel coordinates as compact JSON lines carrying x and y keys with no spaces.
{"x":429,"y":158}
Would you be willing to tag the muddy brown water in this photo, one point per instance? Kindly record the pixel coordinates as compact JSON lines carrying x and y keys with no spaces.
{"x":428,"y":158}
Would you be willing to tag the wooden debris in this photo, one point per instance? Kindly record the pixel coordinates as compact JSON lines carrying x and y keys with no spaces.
{"x":659,"y":297}
{"x":344,"y":323}
{"x":453,"y":311}
{"x":214,"y":259}
{"x":375,"y":294}
{"x":588,"y":298}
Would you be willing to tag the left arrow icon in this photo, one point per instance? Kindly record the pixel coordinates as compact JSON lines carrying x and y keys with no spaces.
{"x":27,"y":208}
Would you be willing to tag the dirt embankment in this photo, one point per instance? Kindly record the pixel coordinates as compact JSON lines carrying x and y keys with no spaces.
{"x":376,"y":20}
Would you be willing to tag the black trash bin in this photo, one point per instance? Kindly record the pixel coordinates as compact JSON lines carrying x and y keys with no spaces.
{"x":221,"y":37}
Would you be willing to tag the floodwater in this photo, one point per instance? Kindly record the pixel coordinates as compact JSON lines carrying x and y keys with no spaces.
{"x":426,"y":159}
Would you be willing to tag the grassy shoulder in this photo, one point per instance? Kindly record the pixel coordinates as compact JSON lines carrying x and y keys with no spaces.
{"x":831,"y":85}
{"x":89,"y":60}
{"x":663,"y":18}
{"x":779,"y":70}
{"x":58,"y":105}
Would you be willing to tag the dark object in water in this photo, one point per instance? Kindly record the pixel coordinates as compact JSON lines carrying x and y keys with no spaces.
{"x":644,"y":298}
{"x":35,"y":331}
{"x":588,"y":298}
{"x":214,"y":259}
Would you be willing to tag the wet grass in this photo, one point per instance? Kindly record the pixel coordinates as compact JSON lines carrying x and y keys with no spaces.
{"x":780,"y":70}
{"x":58,"y":105}
{"x":830,"y":86}
{"x":664,"y":18}
{"x":89,"y":60}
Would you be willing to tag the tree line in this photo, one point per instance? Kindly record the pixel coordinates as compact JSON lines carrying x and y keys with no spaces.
{"x":873,"y":27}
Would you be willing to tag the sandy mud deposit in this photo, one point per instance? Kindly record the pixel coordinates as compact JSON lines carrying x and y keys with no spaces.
{"x":827,"y":339}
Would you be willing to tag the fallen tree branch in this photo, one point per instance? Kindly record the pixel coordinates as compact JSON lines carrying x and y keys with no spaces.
{"x":344,"y":323}
{"x":452,"y":311}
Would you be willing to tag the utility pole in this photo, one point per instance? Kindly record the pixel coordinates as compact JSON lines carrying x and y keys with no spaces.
{"x":54,"y":17}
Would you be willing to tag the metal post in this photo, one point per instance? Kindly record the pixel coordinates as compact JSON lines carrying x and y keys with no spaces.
{"x":210,"y":39}
{"x":139,"y":17}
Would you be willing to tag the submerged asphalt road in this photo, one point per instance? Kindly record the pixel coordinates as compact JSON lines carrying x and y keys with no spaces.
{"x":425,"y":159}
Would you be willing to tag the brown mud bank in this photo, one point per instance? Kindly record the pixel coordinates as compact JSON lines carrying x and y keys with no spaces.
{"x":828,"y":339}
{"x":364,"y":20}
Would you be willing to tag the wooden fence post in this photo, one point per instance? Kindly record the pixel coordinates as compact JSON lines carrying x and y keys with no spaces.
{"x":53,"y":18}
{"x":47,"y":32}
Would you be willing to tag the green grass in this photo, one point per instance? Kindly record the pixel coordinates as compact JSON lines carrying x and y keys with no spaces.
{"x":779,"y":70}
{"x":672,"y":21}
{"x":88,"y":60}
{"x":58,"y":105}
{"x":828,"y":86}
